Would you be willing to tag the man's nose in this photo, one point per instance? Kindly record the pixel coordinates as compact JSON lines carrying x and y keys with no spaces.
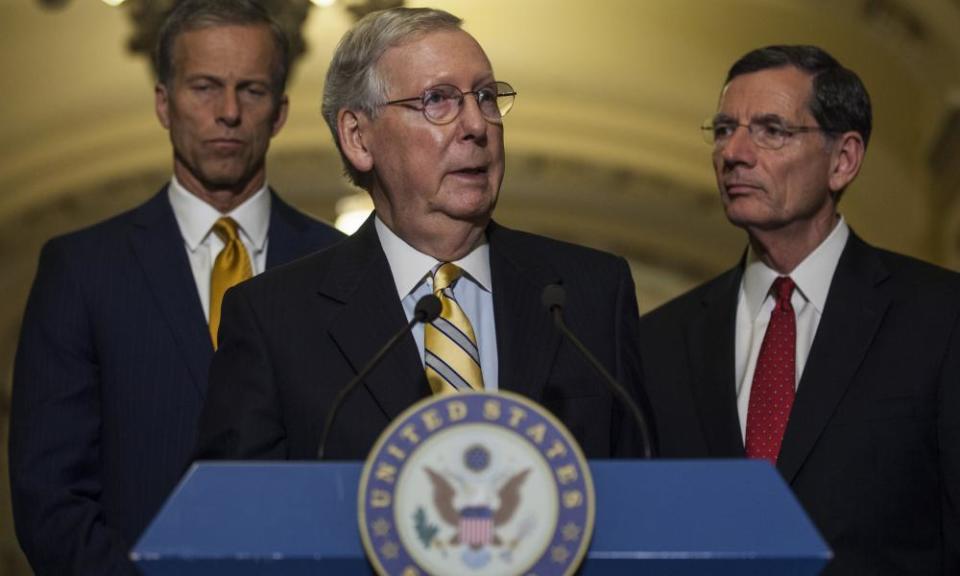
{"x":739,"y":148}
{"x":471,"y":119}
{"x":229,"y":113}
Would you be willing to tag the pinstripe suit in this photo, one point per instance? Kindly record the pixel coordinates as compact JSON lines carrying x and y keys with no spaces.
{"x":109,"y":379}
{"x":292,"y":337}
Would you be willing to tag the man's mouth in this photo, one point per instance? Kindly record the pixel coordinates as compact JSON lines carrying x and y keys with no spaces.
{"x":472,"y":171}
{"x":740,"y":187}
{"x":225,"y":144}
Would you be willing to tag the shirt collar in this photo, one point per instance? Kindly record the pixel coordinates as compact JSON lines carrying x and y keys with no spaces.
{"x":812,"y":276}
{"x":196,"y":217}
{"x":409,"y":266}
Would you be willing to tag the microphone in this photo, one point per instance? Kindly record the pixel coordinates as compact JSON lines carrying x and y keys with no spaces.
{"x":427,"y":310}
{"x":554,"y":297}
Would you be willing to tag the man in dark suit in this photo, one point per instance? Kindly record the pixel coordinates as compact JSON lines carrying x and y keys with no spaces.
{"x":415,"y":108}
{"x":111,"y":369}
{"x":837,"y":361}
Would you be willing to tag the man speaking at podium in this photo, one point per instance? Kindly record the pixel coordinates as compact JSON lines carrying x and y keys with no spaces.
{"x":417,"y":114}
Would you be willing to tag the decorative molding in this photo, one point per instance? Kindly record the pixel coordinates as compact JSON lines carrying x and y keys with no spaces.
{"x":147,"y":16}
{"x":896,"y":17}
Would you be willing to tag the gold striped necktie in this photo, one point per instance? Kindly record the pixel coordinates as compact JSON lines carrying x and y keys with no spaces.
{"x":231,"y":267}
{"x":451,"y":355}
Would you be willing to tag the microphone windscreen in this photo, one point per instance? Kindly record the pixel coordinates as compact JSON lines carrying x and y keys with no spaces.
{"x":427,"y":309}
{"x":554,"y":296}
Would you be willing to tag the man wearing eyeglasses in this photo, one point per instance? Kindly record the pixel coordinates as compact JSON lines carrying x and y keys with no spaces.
{"x":417,"y":114}
{"x":837,"y":362}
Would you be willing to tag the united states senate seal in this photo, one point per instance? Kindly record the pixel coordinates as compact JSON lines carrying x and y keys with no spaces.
{"x":476,"y":484}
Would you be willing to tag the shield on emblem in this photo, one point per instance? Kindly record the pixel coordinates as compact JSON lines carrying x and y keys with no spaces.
{"x":476,"y":526}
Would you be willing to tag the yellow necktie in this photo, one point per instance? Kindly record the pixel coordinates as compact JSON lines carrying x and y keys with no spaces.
{"x":231,"y":267}
{"x":451,"y":355}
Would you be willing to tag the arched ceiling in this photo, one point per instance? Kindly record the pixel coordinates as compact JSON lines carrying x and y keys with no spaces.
{"x":603,"y":144}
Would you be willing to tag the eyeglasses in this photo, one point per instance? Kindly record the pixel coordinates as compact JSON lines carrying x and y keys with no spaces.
{"x":769,"y":134}
{"x":443,"y":103}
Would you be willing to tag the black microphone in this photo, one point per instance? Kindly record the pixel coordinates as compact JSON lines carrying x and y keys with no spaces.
{"x":554,"y":296}
{"x":427,"y":310}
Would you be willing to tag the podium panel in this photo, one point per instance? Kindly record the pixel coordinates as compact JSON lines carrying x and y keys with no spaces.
{"x":680,"y":518}
{"x":698,"y":517}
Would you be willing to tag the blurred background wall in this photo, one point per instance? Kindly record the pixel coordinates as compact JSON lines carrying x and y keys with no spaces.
{"x":603,"y":143}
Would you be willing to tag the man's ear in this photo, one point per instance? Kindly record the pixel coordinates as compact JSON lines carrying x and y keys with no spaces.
{"x":846,"y":159}
{"x":161,"y":102}
{"x":353,"y":131}
{"x":280,"y":117}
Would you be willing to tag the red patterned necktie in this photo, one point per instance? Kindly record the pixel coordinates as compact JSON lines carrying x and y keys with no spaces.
{"x":771,"y":396}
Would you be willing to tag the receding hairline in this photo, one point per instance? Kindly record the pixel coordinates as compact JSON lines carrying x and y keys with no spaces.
{"x":176,"y":44}
{"x":809,"y":76}
{"x":417,"y":37}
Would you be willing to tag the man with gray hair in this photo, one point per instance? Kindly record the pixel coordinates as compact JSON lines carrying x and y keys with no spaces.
{"x":122,"y":319}
{"x":836,"y":361}
{"x":417,"y":114}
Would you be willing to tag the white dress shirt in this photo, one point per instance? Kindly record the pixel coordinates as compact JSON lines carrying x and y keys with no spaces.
{"x":196,"y":218}
{"x":812,"y":277}
{"x":412,"y":277}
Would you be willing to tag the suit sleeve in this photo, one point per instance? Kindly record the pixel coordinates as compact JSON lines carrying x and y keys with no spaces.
{"x":54,"y":431}
{"x":241,"y":417}
{"x":949,"y":434}
{"x":628,"y":441}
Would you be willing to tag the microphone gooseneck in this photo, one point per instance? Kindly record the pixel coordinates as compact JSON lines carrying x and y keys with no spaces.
{"x":426,"y":310}
{"x":554,"y":297}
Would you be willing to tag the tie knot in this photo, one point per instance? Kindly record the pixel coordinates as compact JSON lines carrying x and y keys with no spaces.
{"x":226,"y":229}
{"x":445,"y":276}
{"x":783,"y":289}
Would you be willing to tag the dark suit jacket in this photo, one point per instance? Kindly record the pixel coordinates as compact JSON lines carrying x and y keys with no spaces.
{"x":872,"y":448}
{"x":292,"y":338}
{"x":110,"y":375}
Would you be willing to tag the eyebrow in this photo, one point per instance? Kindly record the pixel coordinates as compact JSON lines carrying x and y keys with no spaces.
{"x":770,"y":119}
{"x":761,"y":118}
{"x":223,"y":82}
{"x":202,"y":76}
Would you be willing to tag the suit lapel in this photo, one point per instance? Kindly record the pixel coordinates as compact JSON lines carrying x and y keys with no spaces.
{"x":285,"y":236}
{"x":711,"y":345}
{"x":360,"y":279}
{"x":854,"y":309}
{"x":527,"y":341}
{"x":158,"y":245}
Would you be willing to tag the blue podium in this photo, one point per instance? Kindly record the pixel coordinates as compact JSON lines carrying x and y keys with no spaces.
{"x":680,"y":518}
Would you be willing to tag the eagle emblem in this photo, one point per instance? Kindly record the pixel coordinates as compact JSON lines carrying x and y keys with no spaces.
{"x":476,"y":507}
{"x":476,"y":483}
